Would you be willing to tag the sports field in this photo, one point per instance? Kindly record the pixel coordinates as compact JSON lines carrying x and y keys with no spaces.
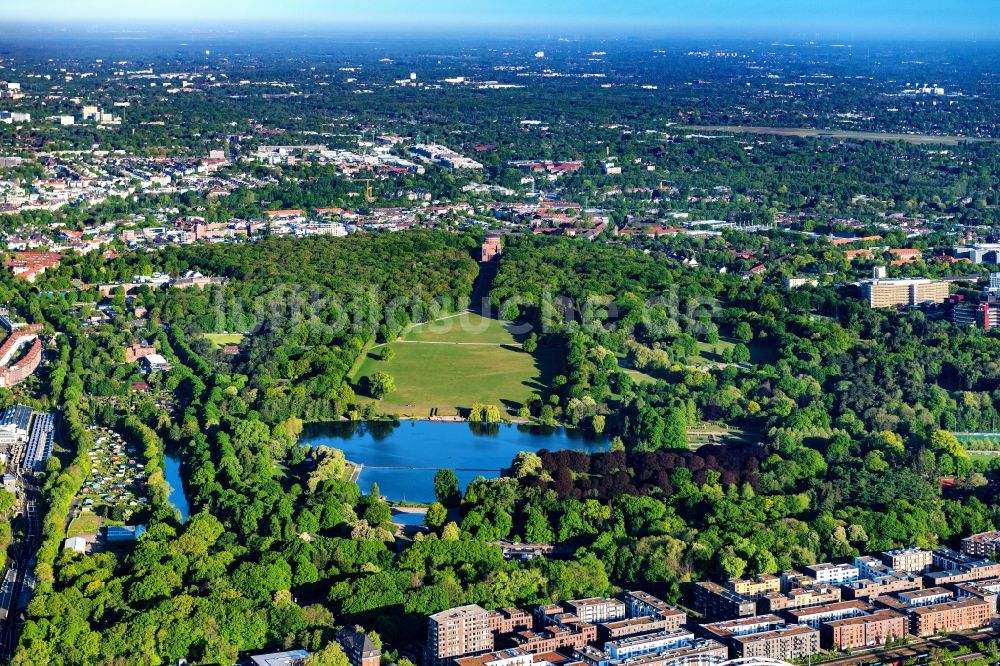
{"x":448,"y":365}
{"x":220,"y":340}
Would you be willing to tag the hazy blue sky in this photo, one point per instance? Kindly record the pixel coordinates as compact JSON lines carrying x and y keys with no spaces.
{"x":892,"y":18}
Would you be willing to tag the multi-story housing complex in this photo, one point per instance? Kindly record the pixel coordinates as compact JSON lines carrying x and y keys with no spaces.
{"x":959,"y":568}
{"x":949,"y":617}
{"x":744,"y":625}
{"x":887,"y":293}
{"x":765,"y":636}
{"x":457,"y":632}
{"x":509,"y":620}
{"x":569,"y":635}
{"x":984,"y":544}
{"x":831,"y":573}
{"x":643,"y":630}
{"x":873,"y":567}
{"x":909,"y":560}
{"x":987,"y":590}
{"x":925,"y":597}
{"x":755,"y":588}
{"x":785,"y":644}
{"x":793,"y":579}
{"x":799,"y":598}
{"x":597,"y":609}
{"x":817,"y":615}
{"x":633,"y":626}
{"x":716,"y":602}
{"x":946,"y":558}
{"x":510,"y":657}
{"x":868,"y":588}
{"x":637,"y":646}
{"x":15,"y":367}
{"x":863,"y":631}
{"x":962,"y":575}
{"x":553,"y":614}
{"x":698,"y":651}
{"x":643,"y":604}
{"x":29,"y":265}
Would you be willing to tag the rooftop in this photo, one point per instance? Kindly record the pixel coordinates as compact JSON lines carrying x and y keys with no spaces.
{"x":879,"y":615}
{"x":948,"y":605}
{"x":459,"y":613}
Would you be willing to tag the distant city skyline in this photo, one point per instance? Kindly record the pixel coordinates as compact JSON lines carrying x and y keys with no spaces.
{"x":958,"y":19}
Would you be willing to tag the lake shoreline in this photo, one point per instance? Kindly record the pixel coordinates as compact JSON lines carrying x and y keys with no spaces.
{"x":402,"y":456}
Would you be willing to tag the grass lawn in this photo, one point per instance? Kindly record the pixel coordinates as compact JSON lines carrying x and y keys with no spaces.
{"x":640,"y":377}
{"x":450,"y":364}
{"x":86,"y":523}
{"x":219,"y":340}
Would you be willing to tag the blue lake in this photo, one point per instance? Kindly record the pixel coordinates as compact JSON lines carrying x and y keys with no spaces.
{"x":402,"y":458}
{"x":172,"y":473}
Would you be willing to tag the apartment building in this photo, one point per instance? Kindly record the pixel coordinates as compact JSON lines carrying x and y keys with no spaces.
{"x":909,"y":560}
{"x":755,"y":588}
{"x":786,"y":644}
{"x":866,"y":588}
{"x":793,"y":579}
{"x":457,"y":632}
{"x":887,"y":293}
{"x":963,"y":573}
{"x":553,"y":614}
{"x":988,"y":591}
{"x":721,"y":631}
{"x":633,"y":626}
{"x":817,"y":615}
{"x":511,"y":657}
{"x":509,"y":620}
{"x":946,"y":558}
{"x":570,"y":635}
{"x":642,"y":604}
{"x":984,"y":544}
{"x":718,"y":603}
{"x":863,"y":631}
{"x":699,"y":651}
{"x":637,"y":646}
{"x":597,"y":609}
{"x":925,"y":597}
{"x":799,"y":598}
{"x":873,"y":567}
{"x":949,"y":617}
{"x":836,"y":574}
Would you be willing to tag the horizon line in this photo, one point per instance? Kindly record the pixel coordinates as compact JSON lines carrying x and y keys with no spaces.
{"x":550,"y":28}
